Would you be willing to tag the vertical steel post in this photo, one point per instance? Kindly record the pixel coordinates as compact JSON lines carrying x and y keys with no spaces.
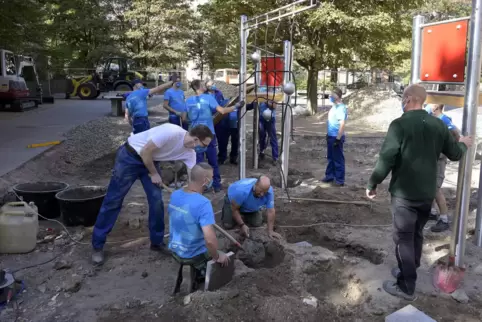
{"x":242,"y":97}
{"x":478,"y":220}
{"x":457,"y":245}
{"x":256,"y":115}
{"x":285,"y":155}
{"x":416,"y":48}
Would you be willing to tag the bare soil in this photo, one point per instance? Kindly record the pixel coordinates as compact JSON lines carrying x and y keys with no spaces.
{"x":350,"y":250}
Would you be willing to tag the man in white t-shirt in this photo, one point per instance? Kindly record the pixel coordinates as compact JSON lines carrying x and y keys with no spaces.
{"x":137,"y":159}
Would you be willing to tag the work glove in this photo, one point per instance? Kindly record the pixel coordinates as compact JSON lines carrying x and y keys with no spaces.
{"x":239,"y":105}
{"x":337,"y":142}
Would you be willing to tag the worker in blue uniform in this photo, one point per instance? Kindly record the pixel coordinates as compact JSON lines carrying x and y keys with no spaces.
{"x":174,"y":102}
{"x":267,"y":127}
{"x":200,"y":109}
{"x":136,"y":105}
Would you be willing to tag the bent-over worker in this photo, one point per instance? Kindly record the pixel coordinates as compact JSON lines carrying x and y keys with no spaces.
{"x":136,"y":105}
{"x":244,"y":203}
{"x":192,"y":238}
{"x":410,"y":152}
{"x":137,"y":159}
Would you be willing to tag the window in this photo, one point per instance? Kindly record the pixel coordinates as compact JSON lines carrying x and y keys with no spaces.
{"x":11,"y":69}
{"x":232,"y":73}
{"x":219,"y":74}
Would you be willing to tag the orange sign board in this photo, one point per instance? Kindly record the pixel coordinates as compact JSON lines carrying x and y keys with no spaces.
{"x":443,"y":55}
{"x":272,"y":71}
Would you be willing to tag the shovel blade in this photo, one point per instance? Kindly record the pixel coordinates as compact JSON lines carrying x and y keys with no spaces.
{"x":447,"y":278}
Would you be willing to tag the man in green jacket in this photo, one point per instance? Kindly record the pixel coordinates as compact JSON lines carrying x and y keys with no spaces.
{"x":410,"y":151}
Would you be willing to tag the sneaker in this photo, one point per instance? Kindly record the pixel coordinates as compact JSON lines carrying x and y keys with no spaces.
{"x":392,"y":288}
{"x":396,"y":272}
{"x":327,"y":180}
{"x":161,"y":249}
{"x":98,"y":257}
{"x":217,"y":189}
{"x":433,"y":214}
{"x":274,"y":162}
{"x":440,"y":226}
{"x":235,"y":162}
{"x":261,"y":156}
{"x":221,"y":161}
{"x":336,"y":184}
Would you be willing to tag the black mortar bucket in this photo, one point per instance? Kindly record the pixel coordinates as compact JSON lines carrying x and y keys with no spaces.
{"x":81,"y":205}
{"x":43,"y":195}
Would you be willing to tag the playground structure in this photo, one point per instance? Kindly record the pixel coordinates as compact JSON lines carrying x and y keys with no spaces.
{"x":288,"y":87}
{"x":439,"y":57}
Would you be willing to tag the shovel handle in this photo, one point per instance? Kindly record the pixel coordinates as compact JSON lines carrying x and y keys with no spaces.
{"x":228,"y":236}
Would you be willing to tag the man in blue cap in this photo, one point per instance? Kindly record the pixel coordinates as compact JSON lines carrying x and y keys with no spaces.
{"x":174,"y":102}
{"x":200,"y":109}
{"x":136,"y":105}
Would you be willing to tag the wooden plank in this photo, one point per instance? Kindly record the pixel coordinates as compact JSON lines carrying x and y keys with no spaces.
{"x":350,"y":202}
{"x":456,"y":99}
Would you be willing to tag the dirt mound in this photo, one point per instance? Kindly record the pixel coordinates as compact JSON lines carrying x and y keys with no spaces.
{"x":375,"y":107}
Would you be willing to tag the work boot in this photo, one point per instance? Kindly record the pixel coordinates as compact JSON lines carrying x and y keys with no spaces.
{"x":336,"y":184}
{"x":161,"y":249}
{"x":391,"y":287}
{"x":327,"y":180}
{"x":440,"y":226}
{"x":261,"y":156}
{"x":233,"y":161}
{"x":217,"y":189}
{"x":98,"y":257}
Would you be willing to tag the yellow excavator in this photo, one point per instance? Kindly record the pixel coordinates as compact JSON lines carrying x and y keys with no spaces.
{"x":115,"y":74}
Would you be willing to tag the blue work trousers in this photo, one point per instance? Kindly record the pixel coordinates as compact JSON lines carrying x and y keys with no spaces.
{"x":335,"y":170}
{"x":174,"y":119}
{"x":223,"y":133}
{"x":140,"y":124}
{"x":127,"y":169}
{"x":211,"y":155}
{"x":268,"y":128}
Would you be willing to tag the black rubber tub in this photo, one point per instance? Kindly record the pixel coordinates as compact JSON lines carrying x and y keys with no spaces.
{"x":43,"y":195}
{"x":80,"y":205}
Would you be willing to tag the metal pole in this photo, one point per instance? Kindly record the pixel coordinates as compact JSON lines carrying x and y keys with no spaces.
{"x":285,"y":155}
{"x":242,"y":97}
{"x":478,"y":220}
{"x":457,"y":245}
{"x":416,"y":48}
{"x":256,"y":115}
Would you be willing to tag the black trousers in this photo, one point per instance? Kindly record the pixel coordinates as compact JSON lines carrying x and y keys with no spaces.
{"x":409,"y":219}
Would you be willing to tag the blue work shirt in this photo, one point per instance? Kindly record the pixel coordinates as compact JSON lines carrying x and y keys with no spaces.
{"x":241,"y":192}
{"x":200,"y":110}
{"x":136,"y":102}
{"x":262,"y":107}
{"x":175,"y":99}
{"x":337,"y":113}
{"x":445,"y":118}
{"x":188,"y":213}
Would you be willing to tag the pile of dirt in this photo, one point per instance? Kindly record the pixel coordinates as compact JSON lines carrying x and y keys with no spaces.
{"x":373,"y":107}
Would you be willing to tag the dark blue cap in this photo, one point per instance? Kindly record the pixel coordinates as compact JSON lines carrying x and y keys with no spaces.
{"x":136,"y":81}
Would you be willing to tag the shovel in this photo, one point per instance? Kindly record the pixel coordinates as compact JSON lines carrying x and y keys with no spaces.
{"x":447,"y":276}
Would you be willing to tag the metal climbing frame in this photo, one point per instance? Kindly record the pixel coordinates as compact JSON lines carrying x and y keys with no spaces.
{"x":246,"y":25}
{"x":470,"y":105}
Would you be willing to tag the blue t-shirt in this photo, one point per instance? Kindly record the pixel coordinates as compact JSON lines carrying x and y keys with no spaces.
{"x":241,"y":192}
{"x":188,"y":213}
{"x":200,"y":110}
{"x":336,"y":114}
{"x":136,"y":102}
{"x":263,"y":107}
{"x":445,"y":118}
{"x":175,"y":98}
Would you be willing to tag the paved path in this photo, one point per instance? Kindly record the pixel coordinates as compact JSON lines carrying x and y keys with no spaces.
{"x":48,"y":123}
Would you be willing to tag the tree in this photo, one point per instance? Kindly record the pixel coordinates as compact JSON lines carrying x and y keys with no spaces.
{"x":159,"y":31}
{"x":331,"y":35}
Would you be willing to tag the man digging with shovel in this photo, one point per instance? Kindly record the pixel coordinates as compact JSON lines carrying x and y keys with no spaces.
{"x":410,"y":151}
{"x":137,"y":159}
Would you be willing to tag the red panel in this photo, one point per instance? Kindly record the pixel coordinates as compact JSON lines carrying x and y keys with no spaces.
{"x":271,"y":71}
{"x":443,"y":56}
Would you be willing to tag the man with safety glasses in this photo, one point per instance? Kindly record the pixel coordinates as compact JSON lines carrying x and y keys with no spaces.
{"x":244,"y":203}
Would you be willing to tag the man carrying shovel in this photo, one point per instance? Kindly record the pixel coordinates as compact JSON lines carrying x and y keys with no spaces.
{"x":410,"y":152}
{"x":137,"y":159}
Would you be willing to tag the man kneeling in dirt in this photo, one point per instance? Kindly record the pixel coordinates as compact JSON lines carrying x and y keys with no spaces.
{"x":192,"y":238}
{"x":244,"y":203}
{"x":138,"y":159}
{"x":410,"y":151}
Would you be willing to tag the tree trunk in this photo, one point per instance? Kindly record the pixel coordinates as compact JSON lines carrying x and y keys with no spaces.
{"x":312,"y":90}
